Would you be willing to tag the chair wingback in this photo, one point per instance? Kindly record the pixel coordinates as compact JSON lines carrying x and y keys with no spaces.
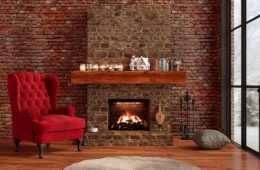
{"x":28,"y":90}
{"x":52,"y":85}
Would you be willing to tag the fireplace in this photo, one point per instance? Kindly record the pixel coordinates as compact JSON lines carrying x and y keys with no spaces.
{"x":128,"y":114}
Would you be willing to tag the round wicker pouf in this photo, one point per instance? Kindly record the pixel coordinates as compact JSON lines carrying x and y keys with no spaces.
{"x":131,"y":163}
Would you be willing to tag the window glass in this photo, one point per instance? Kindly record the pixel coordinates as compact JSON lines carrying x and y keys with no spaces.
{"x":252,"y":8}
{"x":236,"y":57}
{"x":252,"y":119}
{"x":236,"y":115}
{"x":236,"y":13}
{"x":253,"y":53}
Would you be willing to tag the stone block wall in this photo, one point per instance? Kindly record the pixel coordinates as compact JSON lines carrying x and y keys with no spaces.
{"x":116,"y":32}
{"x":51,"y":37}
{"x":98,"y":96}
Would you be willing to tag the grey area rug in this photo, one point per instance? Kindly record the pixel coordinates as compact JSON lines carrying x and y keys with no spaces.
{"x":131,"y":163}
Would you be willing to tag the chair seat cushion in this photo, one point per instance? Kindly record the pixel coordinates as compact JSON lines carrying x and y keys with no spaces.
{"x":54,"y":123}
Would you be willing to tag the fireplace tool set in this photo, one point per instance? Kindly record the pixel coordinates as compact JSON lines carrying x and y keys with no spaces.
{"x":187,"y":107}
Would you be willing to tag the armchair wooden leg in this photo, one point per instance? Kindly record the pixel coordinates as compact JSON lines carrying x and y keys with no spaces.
{"x":17,"y":144}
{"x":48,"y":145}
{"x":79,"y":143}
{"x":40,"y":149}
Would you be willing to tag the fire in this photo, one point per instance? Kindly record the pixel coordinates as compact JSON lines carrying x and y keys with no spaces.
{"x":128,"y":117}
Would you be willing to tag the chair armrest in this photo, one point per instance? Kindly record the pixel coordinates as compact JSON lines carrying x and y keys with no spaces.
{"x":32,"y":114}
{"x":66,"y":110}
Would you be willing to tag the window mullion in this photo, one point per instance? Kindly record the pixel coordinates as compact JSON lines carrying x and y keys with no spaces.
{"x":243,"y":71}
{"x":226,"y":68}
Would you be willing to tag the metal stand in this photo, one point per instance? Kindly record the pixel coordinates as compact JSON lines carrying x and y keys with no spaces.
{"x":185,"y":122}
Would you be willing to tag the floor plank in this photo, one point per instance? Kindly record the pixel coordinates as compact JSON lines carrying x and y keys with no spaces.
{"x":62,"y":154}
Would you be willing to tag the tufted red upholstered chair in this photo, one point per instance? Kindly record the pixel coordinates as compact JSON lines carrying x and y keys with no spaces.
{"x":35,"y":116}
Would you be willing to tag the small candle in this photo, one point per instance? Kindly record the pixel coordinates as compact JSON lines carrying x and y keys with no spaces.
{"x":106,"y":67}
{"x":82,"y":67}
{"x":95,"y":67}
{"x":111,"y":67}
{"x":116,"y":67}
{"x":89,"y":67}
{"x":102,"y":67}
{"x":120,"y":67}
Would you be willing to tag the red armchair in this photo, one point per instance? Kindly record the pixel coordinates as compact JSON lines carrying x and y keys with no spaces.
{"x":35,"y":116}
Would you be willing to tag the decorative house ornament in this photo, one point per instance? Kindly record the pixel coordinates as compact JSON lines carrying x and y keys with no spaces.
{"x":160,"y":116}
{"x":139,"y":63}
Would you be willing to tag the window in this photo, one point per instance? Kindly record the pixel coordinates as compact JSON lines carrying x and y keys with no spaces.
{"x":245,"y":73}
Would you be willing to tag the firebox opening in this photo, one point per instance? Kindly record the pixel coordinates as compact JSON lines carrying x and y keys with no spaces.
{"x":128,"y":114}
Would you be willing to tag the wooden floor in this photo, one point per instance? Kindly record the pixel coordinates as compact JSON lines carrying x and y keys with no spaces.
{"x":62,"y":154}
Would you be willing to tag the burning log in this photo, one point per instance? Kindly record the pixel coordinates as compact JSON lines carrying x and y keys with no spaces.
{"x":129,"y":121}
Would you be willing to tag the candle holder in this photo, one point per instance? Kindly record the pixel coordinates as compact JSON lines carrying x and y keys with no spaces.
{"x":95,"y":67}
{"x":102,"y":67}
{"x":189,"y":107}
{"x":106,"y":67}
{"x":120,"y":67}
{"x":116,"y":67}
{"x":111,"y":67}
{"x":89,"y":67}
{"x":82,"y":67}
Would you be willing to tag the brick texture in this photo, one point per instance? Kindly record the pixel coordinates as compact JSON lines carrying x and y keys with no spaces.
{"x":50,"y":37}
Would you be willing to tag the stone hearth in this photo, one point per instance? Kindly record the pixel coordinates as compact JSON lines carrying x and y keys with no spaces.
{"x":97,"y":104}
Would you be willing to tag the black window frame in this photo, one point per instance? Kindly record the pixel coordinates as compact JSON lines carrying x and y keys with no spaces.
{"x":226,"y":86}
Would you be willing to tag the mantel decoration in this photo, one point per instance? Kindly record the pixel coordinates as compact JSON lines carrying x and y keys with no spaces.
{"x":189,"y":106}
{"x":101,"y":67}
{"x":178,"y":64}
{"x":95,"y":67}
{"x":160,"y":116}
{"x":82,"y":67}
{"x":158,"y":64}
{"x":139,"y":63}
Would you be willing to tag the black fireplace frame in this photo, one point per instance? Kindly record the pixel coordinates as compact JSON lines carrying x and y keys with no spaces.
{"x":145,"y":101}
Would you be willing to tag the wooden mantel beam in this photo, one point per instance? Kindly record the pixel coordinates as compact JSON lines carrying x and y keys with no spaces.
{"x":128,"y":77}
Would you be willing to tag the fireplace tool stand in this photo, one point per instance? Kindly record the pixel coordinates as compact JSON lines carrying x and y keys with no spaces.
{"x":186,"y":111}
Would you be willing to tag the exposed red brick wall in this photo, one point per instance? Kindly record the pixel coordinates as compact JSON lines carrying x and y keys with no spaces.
{"x":197,"y":41}
{"x":50,"y":37}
